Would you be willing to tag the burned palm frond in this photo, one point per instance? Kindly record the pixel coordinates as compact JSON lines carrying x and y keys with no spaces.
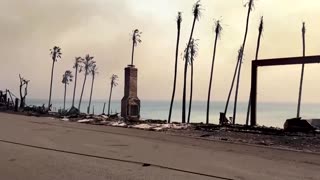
{"x":261,"y":26}
{"x":136,"y":35}
{"x":179,"y":20}
{"x":67,"y":77}
{"x":186,"y":54}
{"x":250,"y":4}
{"x":240,"y":54}
{"x":78,"y":63}
{"x":197,"y":10}
{"x":136,"y":39}
{"x":114,"y":79}
{"x":114,"y":83}
{"x":87,"y":64}
{"x":93,"y":70}
{"x":217,"y":27}
{"x":192,"y":52}
{"x":193,"y":49}
{"x":55,"y":53}
{"x":303,"y":28}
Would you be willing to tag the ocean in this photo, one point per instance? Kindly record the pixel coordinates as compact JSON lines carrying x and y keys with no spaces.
{"x":268,"y":114}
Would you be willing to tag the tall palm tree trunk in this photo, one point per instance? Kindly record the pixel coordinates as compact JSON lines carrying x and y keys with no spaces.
{"x":191,"y":91}
{"x":75,"y":86}
{"x":256,"y":58}
{"x":88,"y":111}
{"x":175,"y":75}
{"x":21,"y":97}
{"x":110,"y":99}
{"x":231,"y":88}
{"x":302,"y":70}
{"x":65,"y":94}
{"x":240,"y":62}
{"x":84,"y":83}
{"x":211,"y":75}
{"x":185,"y":75}
{"x":132,"y":55}
{"x":49,"y":104}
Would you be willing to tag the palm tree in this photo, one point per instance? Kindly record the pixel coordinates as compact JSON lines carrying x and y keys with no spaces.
{"x":179,"y":20}
{"x":114,"y":83}
{"x":302,"y":70}
{"x":193,"y":54}
{"x":93,"y":71}
{"x":66,"y":78}
{"x":136,"y":35}
{"x":257,"y":54}
{"x":87,"y":64}
{"x":77,"y":66}
{"x":232,"y":83}
{"x":218,"y":30}
{"x":55,"y":55}
{"x":196,"y":15}
{"x":250,"y":7}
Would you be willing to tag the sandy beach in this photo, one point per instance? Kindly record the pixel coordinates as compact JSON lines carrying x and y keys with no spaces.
{"x":46,"y":148}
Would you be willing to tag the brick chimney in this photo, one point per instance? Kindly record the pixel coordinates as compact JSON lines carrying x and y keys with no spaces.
{"x":130,"y":103}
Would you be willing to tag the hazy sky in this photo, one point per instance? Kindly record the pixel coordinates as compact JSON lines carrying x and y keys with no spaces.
{"x":29,"y":28}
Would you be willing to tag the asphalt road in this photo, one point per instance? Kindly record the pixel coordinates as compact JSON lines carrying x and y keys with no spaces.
{"x":48,"y":149}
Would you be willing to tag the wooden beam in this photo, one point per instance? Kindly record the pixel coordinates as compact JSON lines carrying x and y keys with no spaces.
{"x":272,"y":62}
{"x":287,"y":61}
{"x":254,"y":78}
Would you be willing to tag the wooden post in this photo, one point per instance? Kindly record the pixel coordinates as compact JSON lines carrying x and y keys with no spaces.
{"x":8,"y":103}
{"x":16,"y":105}
{"x":104,"y":105}
{"x":254,"y":74}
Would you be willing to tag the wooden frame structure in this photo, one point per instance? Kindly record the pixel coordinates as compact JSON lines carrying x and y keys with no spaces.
{"x":272,"y":62}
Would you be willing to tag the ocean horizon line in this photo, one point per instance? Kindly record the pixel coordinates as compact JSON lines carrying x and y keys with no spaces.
{"x":165,"y":101}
